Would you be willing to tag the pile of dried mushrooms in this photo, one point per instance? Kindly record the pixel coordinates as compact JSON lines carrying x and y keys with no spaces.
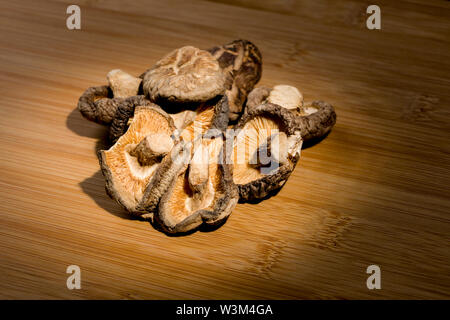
{"x":192,"y":136}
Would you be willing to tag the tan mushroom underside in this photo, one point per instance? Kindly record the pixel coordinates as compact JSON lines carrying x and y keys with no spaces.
{"x":126,"y":178}
{"x":183,"y":201}
{"x":202,"y":122}
{"x":254,"y":133}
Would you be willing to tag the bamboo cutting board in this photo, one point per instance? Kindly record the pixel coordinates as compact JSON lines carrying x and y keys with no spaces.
{"x":375,"y":191}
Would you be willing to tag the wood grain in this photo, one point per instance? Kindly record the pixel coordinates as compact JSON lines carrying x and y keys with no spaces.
{"x":375,"y":191}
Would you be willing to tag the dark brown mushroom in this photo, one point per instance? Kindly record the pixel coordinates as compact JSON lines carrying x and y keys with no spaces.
{"x":99,"y":104}
{"x":241,"y":61}
{"x":314,"y":120}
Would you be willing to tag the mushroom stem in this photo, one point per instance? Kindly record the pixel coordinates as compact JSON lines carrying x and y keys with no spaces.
{"x":152,"y":149}
{"x":279,"y":147}
{"x":272,"y":152}
{"x":199,"y":170}
{"x":286,"y":96}
{"x":122,"y":84}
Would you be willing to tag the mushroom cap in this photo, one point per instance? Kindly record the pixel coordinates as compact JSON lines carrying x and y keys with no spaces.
{"x":187,"y":74}
{"x":315,"y":120}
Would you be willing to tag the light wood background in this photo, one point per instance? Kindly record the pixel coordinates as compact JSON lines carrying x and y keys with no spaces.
{"x":375,"y":191}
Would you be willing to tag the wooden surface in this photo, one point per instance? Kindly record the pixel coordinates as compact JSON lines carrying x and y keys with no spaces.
{"x":375,"y":191}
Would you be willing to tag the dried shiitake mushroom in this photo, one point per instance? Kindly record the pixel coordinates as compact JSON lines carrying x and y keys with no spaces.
{"x":132,"y":163}
{"x":172,"y":159}
{"x":241,"y":61}
{"x":181,"y":82}
{"x":99,"y":104}
{"x":265,"y":151}
{"x":185,"y":75}
{"x":314,"y":119}
{"x":187,"y":83}
{"x":202,"y":191}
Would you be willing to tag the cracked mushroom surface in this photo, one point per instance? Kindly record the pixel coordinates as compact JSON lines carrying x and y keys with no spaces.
{"x":266,"y":149}
{"x":314,"y":119}
{"x":202,"y":191}
{"x":185,"y":75}
{"x":131,"y":163}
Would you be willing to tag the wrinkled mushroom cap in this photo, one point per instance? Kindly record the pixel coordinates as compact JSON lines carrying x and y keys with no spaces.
{"x":187,"y":74}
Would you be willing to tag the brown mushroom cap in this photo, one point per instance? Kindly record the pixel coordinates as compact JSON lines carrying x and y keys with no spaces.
{"x":252,"y":131}
{"x":193,"y":200}
{"x":186,"y":74}
{"x":241,"y":61}
{"x":126,"y":179}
